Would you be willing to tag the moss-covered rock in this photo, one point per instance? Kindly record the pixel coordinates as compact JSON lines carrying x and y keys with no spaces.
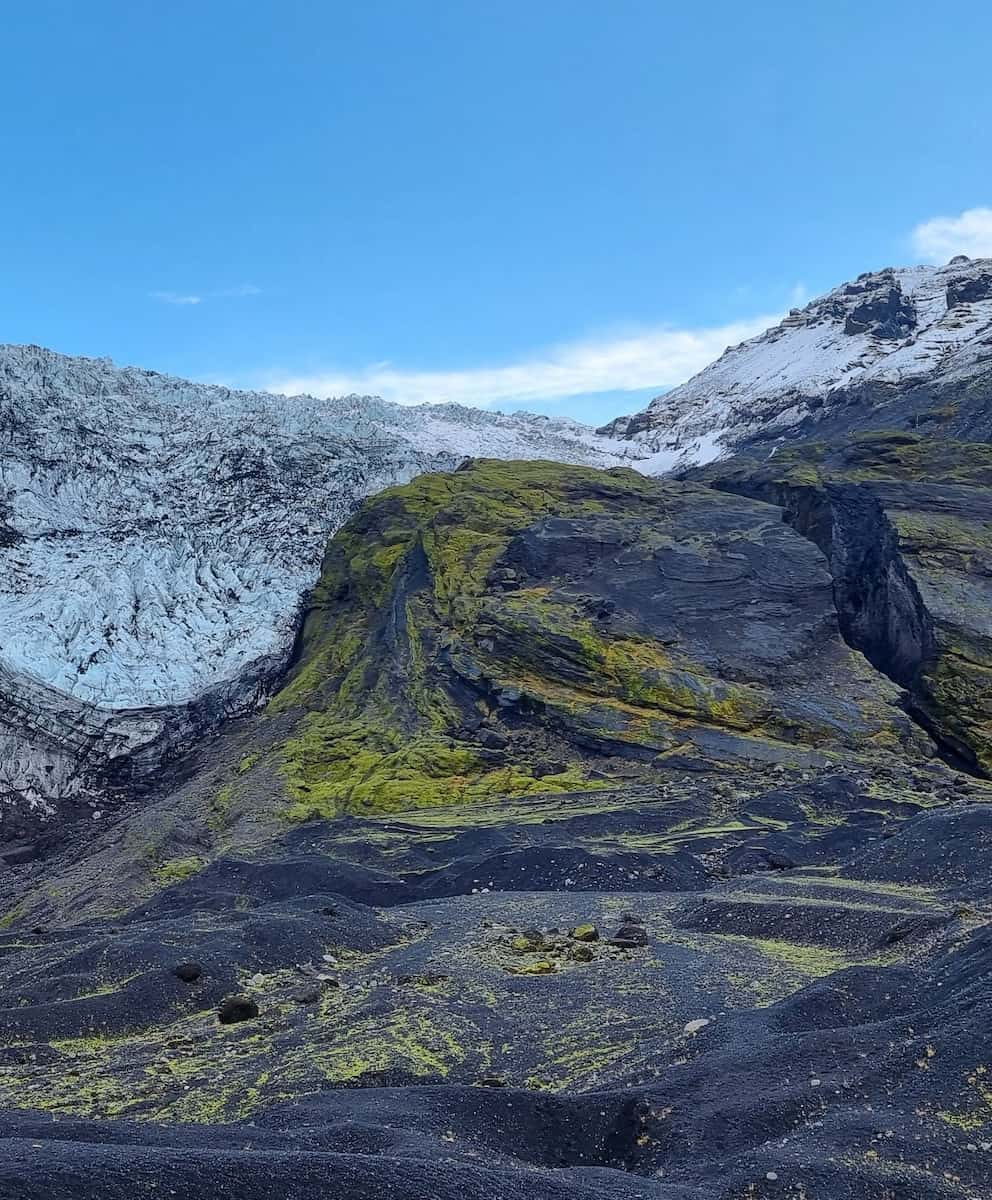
{"x":586,"y":932}
{"x":470,"y":628}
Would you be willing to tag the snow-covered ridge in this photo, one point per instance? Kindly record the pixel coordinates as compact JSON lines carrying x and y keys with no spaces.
{"x":889,"y":329}
{"x":156,"y":535}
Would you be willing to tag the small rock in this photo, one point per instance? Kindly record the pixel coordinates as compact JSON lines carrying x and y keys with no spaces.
{"x":188,"y":972}
{"x":585,"y":933}
{"x":693,"y":1027}
{"x":630,"y":935}
{"x":237,"y":1008}
{"x":528,"y":941}
{"x":427,"y":979}
{"x":305,"y":996}
{"x":540,"y":966}
{"x":543,"y":769}
{"x":581,"y":953}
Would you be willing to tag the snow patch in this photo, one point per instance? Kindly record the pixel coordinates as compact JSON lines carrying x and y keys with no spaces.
{"x":776,"y":380}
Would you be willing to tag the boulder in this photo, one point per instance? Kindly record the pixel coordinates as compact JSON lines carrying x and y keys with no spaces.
{"x":585,"y":933}
{"x":237,"y":1008}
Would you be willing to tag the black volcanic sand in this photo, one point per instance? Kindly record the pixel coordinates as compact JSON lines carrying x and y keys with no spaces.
{"x":466,"y":1044}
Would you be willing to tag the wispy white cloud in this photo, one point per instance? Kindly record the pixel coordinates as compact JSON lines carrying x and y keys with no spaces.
{"x":654,"y":358}
{"x":175,"y":298}
{"x":799,"y":294}
{"x":241,"y":290}
{"x":942,"y":238}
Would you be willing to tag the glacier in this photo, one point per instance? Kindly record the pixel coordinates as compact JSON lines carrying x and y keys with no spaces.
{"x":156,"y":535}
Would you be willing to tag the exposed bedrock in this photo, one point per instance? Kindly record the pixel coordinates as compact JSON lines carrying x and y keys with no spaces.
{"x":906,"y":525}
{"x":506,"y":630}
{"x":61,"y":756}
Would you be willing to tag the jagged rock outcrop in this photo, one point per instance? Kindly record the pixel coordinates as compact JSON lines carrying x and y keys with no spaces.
{"x":157,"y":536}
{"x":907,"y":348}
{"x":906,"y":524}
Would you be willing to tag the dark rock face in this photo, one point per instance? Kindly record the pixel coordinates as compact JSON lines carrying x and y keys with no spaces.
{"x":580,"y":857}
{"x":969,"y":290}
{"x":906,"y":524}
{"x":885,"y":314}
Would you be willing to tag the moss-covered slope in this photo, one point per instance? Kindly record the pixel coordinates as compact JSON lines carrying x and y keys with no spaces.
{"x":510,"y":629}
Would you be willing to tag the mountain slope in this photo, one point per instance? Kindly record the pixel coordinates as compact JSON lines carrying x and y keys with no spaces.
{"x":510,"y":628}
{"x":909,"y":347}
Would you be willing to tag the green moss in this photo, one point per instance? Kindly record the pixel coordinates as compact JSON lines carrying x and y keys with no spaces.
{"x":979,"y":1115}
{"x":176,"y":870}
{"x":333,"y":767}
{"x":782,"y":967}
{"x":84,"y":1046}
{"x":550,"y":634}
{"x":582,"y":1051}
{"x":407,"y":1040}
{"x":220,"y":808}
{"x":809,"y":962}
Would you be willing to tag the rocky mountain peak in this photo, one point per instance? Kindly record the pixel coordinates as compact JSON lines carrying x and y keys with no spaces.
{"x":903,"y":339}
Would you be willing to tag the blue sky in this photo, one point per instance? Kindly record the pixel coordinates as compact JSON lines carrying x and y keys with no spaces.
{"x":567,"y":205}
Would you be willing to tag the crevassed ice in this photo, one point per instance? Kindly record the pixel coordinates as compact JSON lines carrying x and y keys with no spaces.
{"x":156,"y":535}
